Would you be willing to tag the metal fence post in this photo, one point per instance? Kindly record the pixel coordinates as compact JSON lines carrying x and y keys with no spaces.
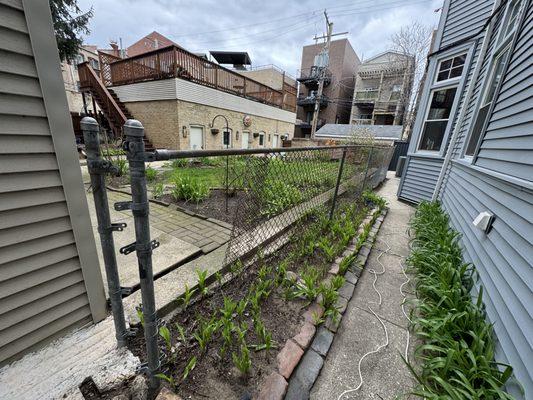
{"x":97,"y":169}
{"x":367,"y":167}
{"x":134,"y":146}
{"x":339,"y":177}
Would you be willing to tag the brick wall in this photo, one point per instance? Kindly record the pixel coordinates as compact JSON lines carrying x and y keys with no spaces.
{"x":164,"y":121}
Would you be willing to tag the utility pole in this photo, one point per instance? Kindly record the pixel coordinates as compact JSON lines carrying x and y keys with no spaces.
{"x":325,"y":52}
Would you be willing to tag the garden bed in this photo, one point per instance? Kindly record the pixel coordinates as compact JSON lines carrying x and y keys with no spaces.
{"x":225,"y":344}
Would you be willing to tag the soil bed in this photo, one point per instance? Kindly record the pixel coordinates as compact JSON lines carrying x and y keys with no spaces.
{"x":213,"y":206}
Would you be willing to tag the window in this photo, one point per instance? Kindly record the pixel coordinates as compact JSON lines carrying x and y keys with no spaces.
{"x":226,"y":139}
{"x":451,"y":68}
{"x":94,"y":63}
{"x":495,"y":78}
{"x":261,"y":139}
{"x":511,"y":19}
{"x":395,"y":93}
{"x":437,"y":119}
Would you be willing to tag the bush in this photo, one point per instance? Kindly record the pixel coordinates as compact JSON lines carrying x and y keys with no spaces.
{"x":158,"y":190}
{"x":122,"y":165}
{"x":278,"y":196}
{"x":457,"y":356}
{"x":189,"y":189}
{"x":151,"y":174}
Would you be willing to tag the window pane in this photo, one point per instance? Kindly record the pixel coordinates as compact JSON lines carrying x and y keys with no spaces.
{"x":476,"y":130}
{"x":441,"y":104}
{"x":456,"y":71}
{"x":226,"y":139}
{"x":442,"y":76}
{"x":459,"y":60}
{"x":496,"y":77}
{"x":446,"y":64}
{"x":432,"y":135}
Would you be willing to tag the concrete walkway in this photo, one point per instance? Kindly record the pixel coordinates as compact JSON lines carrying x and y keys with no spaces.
{"x":180,"y":235}
{"x":384,"y":373}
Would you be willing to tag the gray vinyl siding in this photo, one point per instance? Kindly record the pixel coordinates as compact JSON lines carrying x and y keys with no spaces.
{"x":420,"y":177}
{"x":503,"y":258}
{"x":464,"y":18}
{"x":42,"y":288}
{"x":471,"y":103}
{"x":508,"y":142}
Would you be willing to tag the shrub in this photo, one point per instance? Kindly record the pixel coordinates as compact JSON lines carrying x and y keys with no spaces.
{"x":370,"y":197}
{"x":122,"y":164}
{"x":189,"y":189}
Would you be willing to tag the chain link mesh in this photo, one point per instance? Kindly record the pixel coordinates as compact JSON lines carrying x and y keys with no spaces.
{"x":277,"y":189}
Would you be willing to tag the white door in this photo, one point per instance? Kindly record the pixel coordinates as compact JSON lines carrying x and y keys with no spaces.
{"x":245,"y":140}
{"x":275,"y":141}
{"x":196,"y":139}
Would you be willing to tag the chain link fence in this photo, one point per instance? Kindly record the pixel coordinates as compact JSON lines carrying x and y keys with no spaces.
{"x":262,"y":194}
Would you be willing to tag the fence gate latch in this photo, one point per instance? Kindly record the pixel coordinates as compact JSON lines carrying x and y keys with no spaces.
{"x":119,"y":226}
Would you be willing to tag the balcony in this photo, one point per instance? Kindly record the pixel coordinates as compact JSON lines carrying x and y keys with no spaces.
{"x":310,"y":77}
{"x":365,"y":96}
{"x":175,"y":62}
{"x":309,"y":101}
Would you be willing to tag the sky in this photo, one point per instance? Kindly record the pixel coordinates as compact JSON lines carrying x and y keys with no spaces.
{"x":271,"y":31}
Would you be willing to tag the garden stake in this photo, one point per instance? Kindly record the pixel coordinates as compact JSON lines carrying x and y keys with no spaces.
{"x":97,"y":169}
{"x":134,"y":147}
{"x":339,"y":176}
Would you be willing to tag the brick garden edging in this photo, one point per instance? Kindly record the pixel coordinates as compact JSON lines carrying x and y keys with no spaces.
{"x":302,"y":357}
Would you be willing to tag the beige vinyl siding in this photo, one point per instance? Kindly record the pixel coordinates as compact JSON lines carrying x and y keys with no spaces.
{"x":42,"y":289}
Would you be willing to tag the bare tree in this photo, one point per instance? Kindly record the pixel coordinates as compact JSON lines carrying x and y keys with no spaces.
{"x":413,"y":41}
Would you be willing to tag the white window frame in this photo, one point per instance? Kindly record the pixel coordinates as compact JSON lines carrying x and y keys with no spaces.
{"x":428,"y":107}
{"x":503,"y":45}
{"x":455,"y":78}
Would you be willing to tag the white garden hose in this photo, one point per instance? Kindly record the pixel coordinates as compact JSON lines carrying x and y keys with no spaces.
{"x":376,"y":274}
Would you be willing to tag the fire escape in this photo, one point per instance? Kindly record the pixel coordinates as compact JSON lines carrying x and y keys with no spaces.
{"x":310,"y":79}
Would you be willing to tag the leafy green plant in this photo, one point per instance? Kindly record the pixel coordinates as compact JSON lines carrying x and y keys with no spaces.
{"x":346,"y":263}
{"x":189,"y":367}
{"x":164,"y":332}
{"x":179,"y":163}
{"x":277,"y":196}
{"x":307,"y":287}
{"x":263,"y":334}
{"x":204,"y":333}
{"x":328,"y":248}
{"x":122,"y":165}
{"x":456,"y":356}
{"x":151,"y":174}
{"x":167,"y":378}
{"x":202,"y":285}
{"x":328,"y":300}
{"x":158,"y":190}
{"x":187,"y":296}
{"x":181,"y":332}
{"x":189,"y":188}
{"x":242,"y":359}
{"x":372,"y":198}
{"x":140,"y":314}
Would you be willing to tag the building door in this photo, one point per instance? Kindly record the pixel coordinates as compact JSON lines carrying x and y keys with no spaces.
{"x":245,"y":140}
{"x":196,"y":140}
{"x":275,"y":141}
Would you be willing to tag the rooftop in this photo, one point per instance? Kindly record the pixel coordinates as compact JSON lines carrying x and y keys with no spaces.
{"x":345,"y":131}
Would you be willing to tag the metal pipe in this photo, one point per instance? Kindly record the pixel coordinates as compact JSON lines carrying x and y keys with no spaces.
{"x":336,"y":192}
{"x":134,"y":146}
{"x":96,"y":166}
{"x":163,"y":155}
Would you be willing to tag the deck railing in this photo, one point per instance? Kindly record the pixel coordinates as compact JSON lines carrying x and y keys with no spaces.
{"x":175,"y":62}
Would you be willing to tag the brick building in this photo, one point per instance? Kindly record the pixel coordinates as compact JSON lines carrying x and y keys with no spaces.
{"x":335,"y":103}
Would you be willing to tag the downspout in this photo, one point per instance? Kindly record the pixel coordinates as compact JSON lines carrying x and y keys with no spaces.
{"x":460,"y":119}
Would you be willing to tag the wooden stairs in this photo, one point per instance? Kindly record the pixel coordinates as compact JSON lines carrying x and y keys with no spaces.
{"x":113,"y":109}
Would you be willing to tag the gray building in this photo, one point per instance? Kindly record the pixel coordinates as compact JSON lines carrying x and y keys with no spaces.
{"x":472,"y":149}
{"x":50,"y":280}
{"x":382,"y":89}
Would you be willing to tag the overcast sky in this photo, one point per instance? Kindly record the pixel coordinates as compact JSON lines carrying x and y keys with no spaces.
{"x":271,"y":31}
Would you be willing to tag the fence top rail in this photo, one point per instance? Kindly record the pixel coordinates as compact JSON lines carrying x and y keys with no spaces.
{"x":162,"y":155}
